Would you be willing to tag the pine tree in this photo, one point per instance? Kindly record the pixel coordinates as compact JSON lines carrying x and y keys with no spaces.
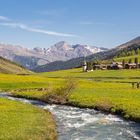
{"x":123,"y":63}
{"x":136,"y":62}
{"x":133,"y":52}
{"x":138,"y":50}
{"x":89,"y":66}
{"x":130,"y":61}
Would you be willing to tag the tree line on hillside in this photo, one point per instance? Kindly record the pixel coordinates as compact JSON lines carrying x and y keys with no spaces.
{"x":130,"y":51}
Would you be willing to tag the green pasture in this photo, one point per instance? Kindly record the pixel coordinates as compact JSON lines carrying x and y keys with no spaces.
{"x":108,"y":90}
{"x":12,"y":82}
{"x":113,"y":75}
{"x":20,"y":121}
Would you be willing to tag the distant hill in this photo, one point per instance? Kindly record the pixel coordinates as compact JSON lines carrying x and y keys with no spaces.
{"x":135,"y":41}
{"x":104,"y":55}
{"x":32,"y":58}
{"x":9,"y":67}
{"x":72,"y":63}
{"x":123,"y":49}
{"x":131,"y":50}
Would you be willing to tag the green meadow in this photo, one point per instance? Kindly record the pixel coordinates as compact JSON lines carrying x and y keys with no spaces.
{"x":20,"y":121}
{"x":114,"y":76}
{"x":106,"y":90}
{"x":77,"y":73}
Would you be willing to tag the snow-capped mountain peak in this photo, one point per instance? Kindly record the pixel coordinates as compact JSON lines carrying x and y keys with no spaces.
{"x":94,"y":49}
{"x":61,"y":51}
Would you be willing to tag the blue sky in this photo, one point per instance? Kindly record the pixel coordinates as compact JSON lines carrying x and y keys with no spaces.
{"x":41,"y":23}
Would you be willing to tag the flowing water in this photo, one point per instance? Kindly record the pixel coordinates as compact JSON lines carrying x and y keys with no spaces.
{"x":87,"y":124}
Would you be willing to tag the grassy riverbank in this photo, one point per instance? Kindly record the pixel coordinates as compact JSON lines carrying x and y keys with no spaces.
{"x":20,"y":121}
{"x":104,"y":90}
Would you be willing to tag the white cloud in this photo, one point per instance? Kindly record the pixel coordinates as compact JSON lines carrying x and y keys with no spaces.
{"x":4,"y":18}
{"x":36,"y":30}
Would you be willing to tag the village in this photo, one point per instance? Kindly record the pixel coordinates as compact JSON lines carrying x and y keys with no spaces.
{"x":90,"y":66}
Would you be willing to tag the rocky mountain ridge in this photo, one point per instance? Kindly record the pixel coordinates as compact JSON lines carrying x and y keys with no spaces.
{"x":31,"y":58}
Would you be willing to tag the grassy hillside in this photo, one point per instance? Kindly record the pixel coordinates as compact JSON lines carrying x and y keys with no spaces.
{"x":127,"y":58}
{"x":126,"y":53}
{"x":7,"y":66}
{"x":25,"y":122}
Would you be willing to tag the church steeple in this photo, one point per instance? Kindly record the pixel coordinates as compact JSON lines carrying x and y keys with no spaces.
{"x":84,"y":66}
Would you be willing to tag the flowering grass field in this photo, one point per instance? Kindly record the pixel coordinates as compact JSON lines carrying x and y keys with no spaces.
{"x":97,"y":74}
{"x":109,"y":91}
{"x":20,"y":121}
{"x":105,"y":90}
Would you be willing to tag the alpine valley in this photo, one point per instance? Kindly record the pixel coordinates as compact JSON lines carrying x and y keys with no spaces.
{"x":32,"y":58}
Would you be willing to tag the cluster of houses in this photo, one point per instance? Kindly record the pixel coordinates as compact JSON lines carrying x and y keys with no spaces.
{"x":87,"y":66}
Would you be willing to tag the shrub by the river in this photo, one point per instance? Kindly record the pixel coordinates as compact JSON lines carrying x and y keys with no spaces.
{"x":60,"y":94}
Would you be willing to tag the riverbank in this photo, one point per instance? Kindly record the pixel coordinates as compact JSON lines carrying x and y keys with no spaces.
{"x":24,"y":121}
{"x":126,"y":108}
{"x":74,"y":123}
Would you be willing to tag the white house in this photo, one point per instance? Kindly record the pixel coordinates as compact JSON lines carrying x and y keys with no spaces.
{"x":85,"y":66}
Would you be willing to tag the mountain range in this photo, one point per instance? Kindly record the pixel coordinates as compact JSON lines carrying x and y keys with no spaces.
{"x":33,"y":58}
{"x":76,"y":62}
{"x":60,"y":56}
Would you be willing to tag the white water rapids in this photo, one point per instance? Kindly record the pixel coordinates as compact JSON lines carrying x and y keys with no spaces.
{"x":86,"y":124}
